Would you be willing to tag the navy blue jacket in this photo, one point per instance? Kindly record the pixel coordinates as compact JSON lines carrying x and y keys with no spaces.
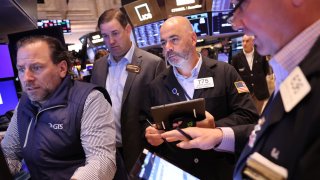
{"x":293,"y":135}
{"x":50,"y":135}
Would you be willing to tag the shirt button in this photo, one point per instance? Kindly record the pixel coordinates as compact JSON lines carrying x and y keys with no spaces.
{"x":252,"y":84}
{"x":196,"y":160}
{"x":251,"y":74}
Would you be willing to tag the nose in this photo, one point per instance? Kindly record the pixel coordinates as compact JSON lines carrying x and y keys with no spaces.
{"x":168,"y":46}
{"x":237,"y":23}
{"x":28,"y":75}
{"x":111,"y":40}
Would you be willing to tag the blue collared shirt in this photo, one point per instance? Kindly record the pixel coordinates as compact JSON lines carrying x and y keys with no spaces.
{"x":187,"y":82}
{"x":116,"y":79}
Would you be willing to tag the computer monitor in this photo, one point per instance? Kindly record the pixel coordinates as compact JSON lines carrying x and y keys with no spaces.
{"x":143,"y":12}
{"x":148,"y":35}
{"x":221,"y":5}
{"x":224,"y":57}
{"x":8,"y":96}
{"x":150,"y":166}
{"x":64,"y":23}
{"x":95,"y":39}
{"x":220,"y":26}
{"x":6,"y":68}
{"x":185,"y":7}
{"x":200,"y":24}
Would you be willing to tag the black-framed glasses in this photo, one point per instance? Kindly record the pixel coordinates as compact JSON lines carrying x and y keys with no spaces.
{"x":229,"y":17}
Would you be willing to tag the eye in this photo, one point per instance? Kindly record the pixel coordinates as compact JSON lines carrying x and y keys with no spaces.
{"x":20,"y":70}
{"x":36,"y":68}
{"x":163,"y":43}
{"x":116,"y":33}
{"x":175,"y":40}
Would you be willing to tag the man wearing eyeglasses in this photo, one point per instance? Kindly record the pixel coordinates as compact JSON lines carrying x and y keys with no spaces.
{"x":193,"y":76}
{"x":287,"y":134}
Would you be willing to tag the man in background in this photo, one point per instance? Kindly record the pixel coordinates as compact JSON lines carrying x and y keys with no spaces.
{"x":253,"y":69}
{"x":63,"y":129}
{"x":125,"y":73}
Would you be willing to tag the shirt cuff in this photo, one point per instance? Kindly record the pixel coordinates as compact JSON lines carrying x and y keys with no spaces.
{"x":228,"y":141}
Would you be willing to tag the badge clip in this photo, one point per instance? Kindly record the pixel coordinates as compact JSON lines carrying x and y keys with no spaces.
{"x":133,"y":68}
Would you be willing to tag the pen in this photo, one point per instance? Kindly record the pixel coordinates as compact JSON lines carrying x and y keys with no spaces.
{"x":184,"y":133}
{"x":148,"y":121}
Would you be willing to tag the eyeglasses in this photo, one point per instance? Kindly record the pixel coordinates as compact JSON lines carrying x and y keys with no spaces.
{"x":230,"y":16}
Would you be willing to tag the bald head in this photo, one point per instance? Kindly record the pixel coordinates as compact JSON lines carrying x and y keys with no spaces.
{"x":178,"y":42}
{"x":179,"y":22}
{"x":247,"y":43}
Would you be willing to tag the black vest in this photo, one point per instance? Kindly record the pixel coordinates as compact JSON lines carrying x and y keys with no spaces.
{"x":50,"y":137}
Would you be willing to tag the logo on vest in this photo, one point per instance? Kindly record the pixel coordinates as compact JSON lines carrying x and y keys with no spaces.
{"x":56,"y":126}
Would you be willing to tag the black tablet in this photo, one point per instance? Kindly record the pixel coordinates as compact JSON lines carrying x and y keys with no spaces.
{"x":150,"y":166}
{"x":188,"y":112}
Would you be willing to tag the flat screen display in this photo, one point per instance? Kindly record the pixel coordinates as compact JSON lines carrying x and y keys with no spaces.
{"x":143,"y":12}
{"x":64,"y":23}
{"x":152,"y":167}
{"x":148,"y":35}
{"x":221,"y":5}
{"x":8,"y":96}
{"x":6,"y":68}
{"x":200,"y":24}
{"x":185,"y":7}
{"x":220,"y":26}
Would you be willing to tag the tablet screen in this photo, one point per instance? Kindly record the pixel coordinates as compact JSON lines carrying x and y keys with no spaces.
{"x":152,"y":167}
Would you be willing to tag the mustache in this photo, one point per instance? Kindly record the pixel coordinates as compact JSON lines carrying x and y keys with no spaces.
{"x":170,"y":53}
{"x":28,"y":85}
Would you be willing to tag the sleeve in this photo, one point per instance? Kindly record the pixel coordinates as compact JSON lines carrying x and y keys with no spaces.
{"x":234,"y":62}
{"x":11,"y":145}
{"x":98,"y":139}
{"x":228,"y":140}
{"x":241,"y":136}
{"x":240,"y":104}
{"x":161,"y":66}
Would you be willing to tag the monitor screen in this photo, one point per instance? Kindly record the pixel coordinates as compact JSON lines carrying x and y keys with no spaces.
{"x":149,"y":166}
{"x":185,"y":7}
{"x":6,"y":68}
{"x":200,"y":24}
{"x":148,"y":35}
{"x":64,"y":23}
{"x":8,"y":96}
{"x":221,"y":5}
{"x":95,"y":38}
{"x":223,"y":57}
{"x":220,"y":26}
{"x":143,"y":12}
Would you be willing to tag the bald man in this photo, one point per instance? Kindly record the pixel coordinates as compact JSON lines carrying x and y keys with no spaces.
{"x":226,"y":105}
{"x":253,"y":69}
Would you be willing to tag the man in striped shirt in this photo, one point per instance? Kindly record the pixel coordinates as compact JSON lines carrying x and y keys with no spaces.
{"x":63,"y":129}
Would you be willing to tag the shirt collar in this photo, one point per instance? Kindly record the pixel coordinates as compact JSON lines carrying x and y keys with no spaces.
{"x":294,"y":52}
{"x":127,"y":57}
{"x":194,"y":71}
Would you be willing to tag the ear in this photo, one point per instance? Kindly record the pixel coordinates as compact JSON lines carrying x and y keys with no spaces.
{"x":128,"y":28}
{"x":63,"y":68}
{"x":194,"y":38}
